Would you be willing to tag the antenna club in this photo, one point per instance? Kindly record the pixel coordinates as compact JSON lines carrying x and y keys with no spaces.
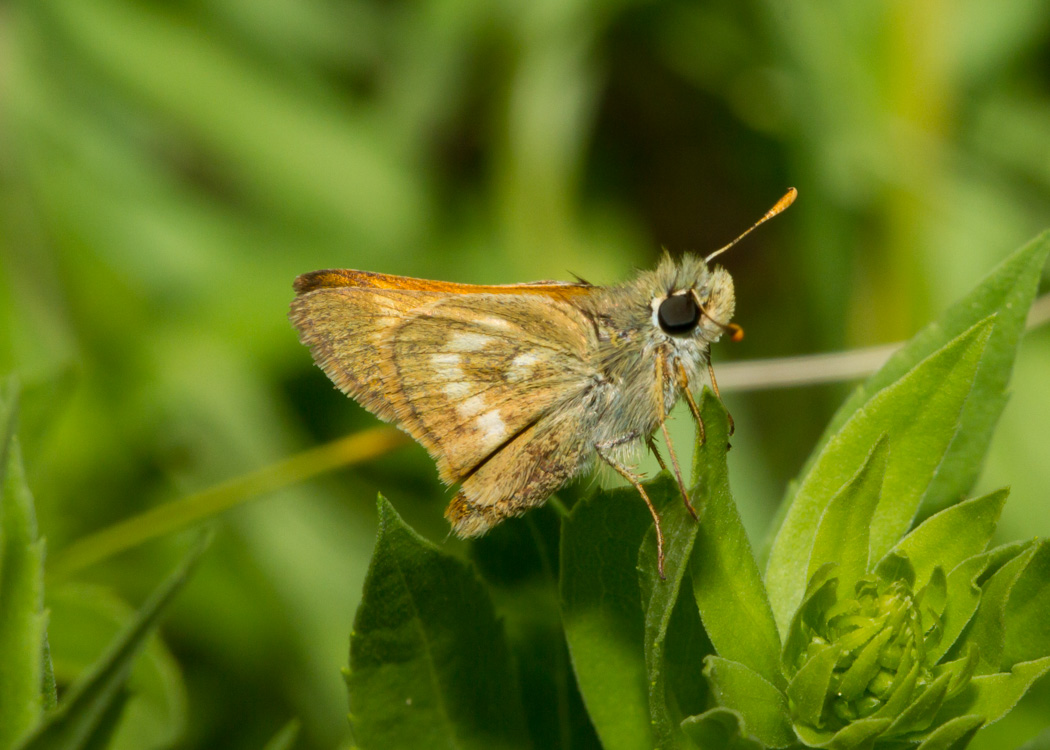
{"x":781,"y":205}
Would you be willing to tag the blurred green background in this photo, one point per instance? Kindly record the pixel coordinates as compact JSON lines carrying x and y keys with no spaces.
{"x":167,"y":169}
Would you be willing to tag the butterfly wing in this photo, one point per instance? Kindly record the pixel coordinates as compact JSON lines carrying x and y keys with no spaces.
{"x":486,"y":381}
{"x":349,"y":330}
{"x":347,"y":319}
{"x":477,"y":371}
{"x":525,"y":472}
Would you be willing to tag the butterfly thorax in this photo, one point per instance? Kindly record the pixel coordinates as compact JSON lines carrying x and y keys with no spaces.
{"x":642,"y":357}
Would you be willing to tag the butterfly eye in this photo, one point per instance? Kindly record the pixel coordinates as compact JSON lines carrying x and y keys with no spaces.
{"x":678,"y":314}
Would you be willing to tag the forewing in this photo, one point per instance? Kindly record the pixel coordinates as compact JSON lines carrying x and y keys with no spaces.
{"x":477,"y":372}
{"x":349,"y":331}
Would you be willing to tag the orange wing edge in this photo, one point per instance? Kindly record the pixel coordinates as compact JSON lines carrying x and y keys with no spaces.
{"x":336,"y":278}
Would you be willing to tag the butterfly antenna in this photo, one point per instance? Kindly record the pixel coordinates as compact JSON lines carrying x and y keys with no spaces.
{"x":780,"y":206}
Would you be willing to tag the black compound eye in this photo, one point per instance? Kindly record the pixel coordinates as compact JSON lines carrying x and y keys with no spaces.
{"x":678,"y":314}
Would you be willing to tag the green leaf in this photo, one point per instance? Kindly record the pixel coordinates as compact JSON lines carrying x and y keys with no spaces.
{"x":843,"y":532}
{"x":1028,"y":611}
{"x":821,"y":593}
{"x":764,"y":709}
{"x":808,"y":689}
{"x":919,"y":414}
{"x":429,"y":663}
{"x":864,"y":667}
{"x":947,"y":538}
{"x":997,"y":557}
{"x":902,"y":688}
{"x":992,"y":696}
{"x":919,"y":713}
{"x":988,"y":628}
{"x":659,"y":597}
{"x":602,"y":616}
{"x":953,"y":735}
{"x":727,"y":584}
{"x":83,"y":620}
{"x":857,"y":734}
{"x":934,"y":596}
{"x":960,"y":670}
{"x":719,"y":729}
{"x":962,"y":464}
{"x":92,"y":700}
{"x":961,"y":602}
{"x":895,"y":567}
{"x":685,"y":649}
{"x":285,"y":738}
{"x":1006,"y":293}
{"x":518,"y":563}
{"x":22,"y":618}
{"x":964,"y":595}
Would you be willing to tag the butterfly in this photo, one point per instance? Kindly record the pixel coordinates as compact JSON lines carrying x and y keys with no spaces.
{"x":516,"y":389}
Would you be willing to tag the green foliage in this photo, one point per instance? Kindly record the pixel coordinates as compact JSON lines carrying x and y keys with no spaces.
{"x":1006,"y":294}
{"x":870,"y":629}
{"x":920,"y":410}
{"x":918,"y":416}
{"x":166,"y":169}
{"x":600,"y":597}
{"x":659,"y":598}
{"x":83,"y":620}
{"x":429,"y":664}
{"x":22,"y":617}
{"x":90,"y":714}
{"x":727,"y":584}
{"x":874,"y":627}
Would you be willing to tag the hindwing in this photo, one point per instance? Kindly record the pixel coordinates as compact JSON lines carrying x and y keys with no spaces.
{"x":476,"y":372}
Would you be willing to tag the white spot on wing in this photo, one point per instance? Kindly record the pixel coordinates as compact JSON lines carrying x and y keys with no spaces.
{"x":521,"y":366}
{"x":457,"y":389}
{"x":448,"y":365}
{"x":468,"y":342}
{"x":494,"y":323}
{"x":471,"y":406}
{"x":491,"y":426}
{"x":442,"y":360}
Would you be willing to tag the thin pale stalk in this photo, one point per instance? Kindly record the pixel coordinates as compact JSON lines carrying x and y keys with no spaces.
{"x":815,"y":369}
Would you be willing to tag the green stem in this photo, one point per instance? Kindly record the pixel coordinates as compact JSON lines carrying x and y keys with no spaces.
{"x":179,"y":514}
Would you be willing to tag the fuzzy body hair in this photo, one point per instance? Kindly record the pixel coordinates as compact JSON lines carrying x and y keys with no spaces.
{"x":631,"y":344}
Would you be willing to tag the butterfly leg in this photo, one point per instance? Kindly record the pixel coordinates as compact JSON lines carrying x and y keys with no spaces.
{"x":663,"y":371}
{"x":677,"y":471}
{"x":652,"y":448}
{"x":714,"y":387}
{"x":683,"y":383}
{"x":602,"y":449}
